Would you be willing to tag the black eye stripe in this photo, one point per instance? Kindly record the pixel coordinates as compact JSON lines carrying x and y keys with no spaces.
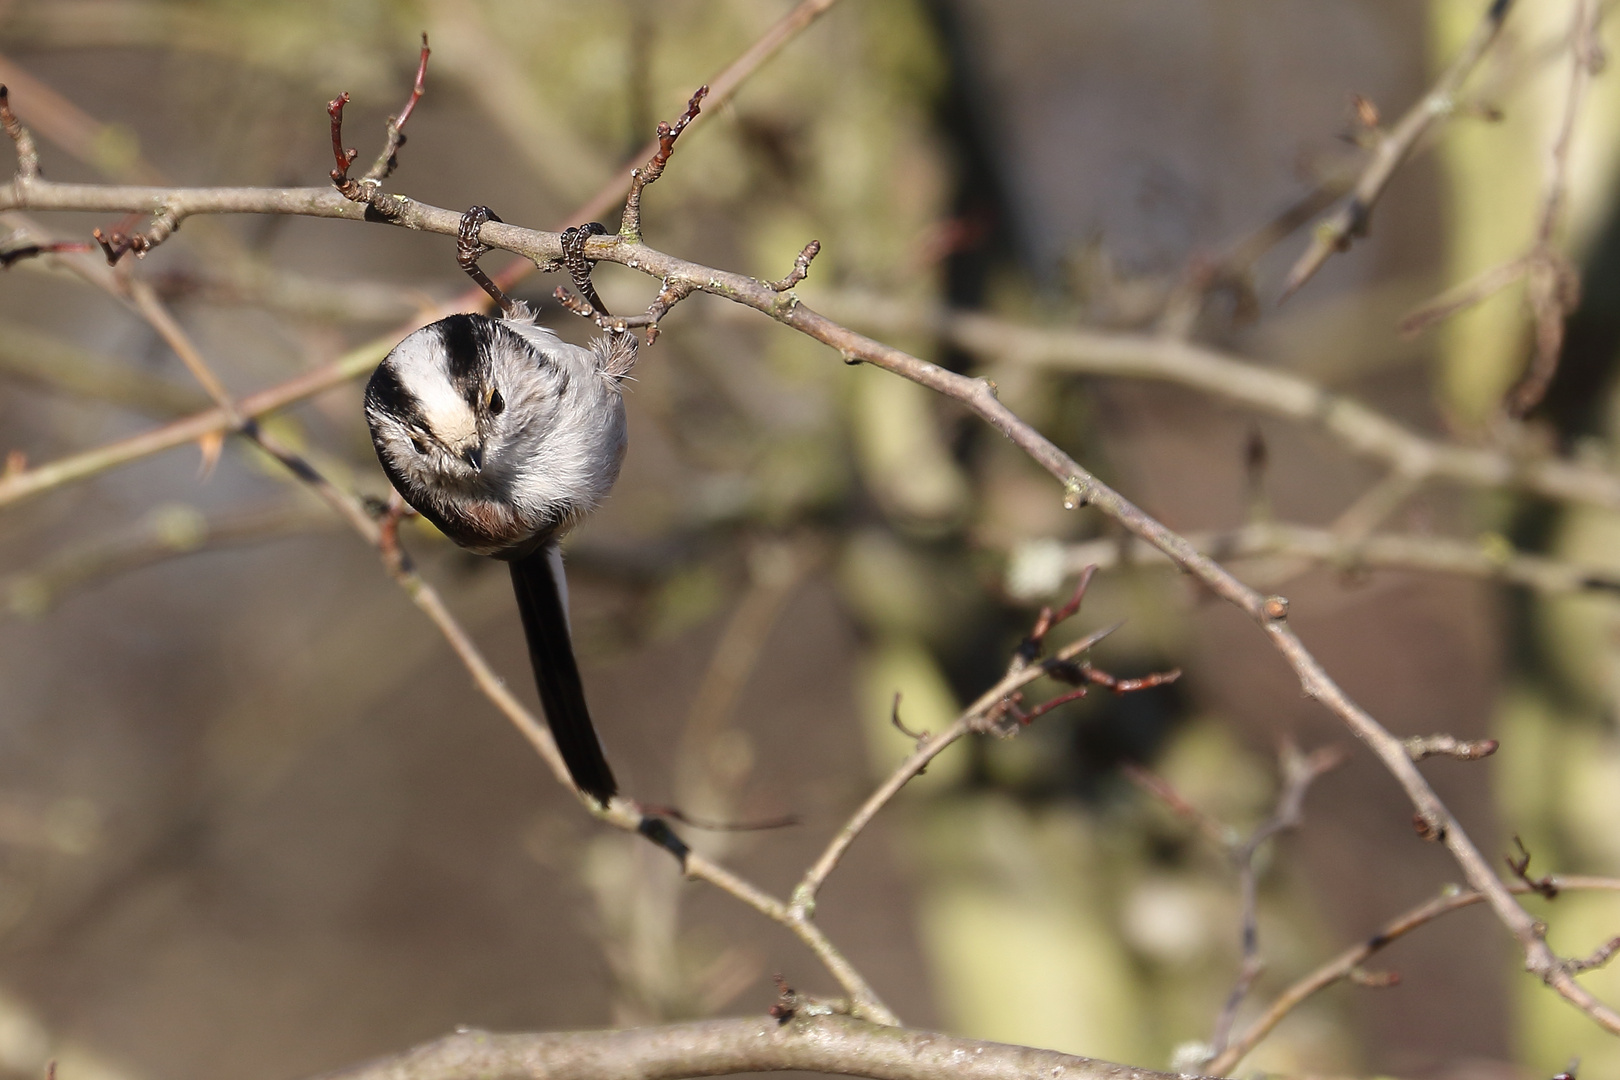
{"x":385,"y":395}
{"x":468,"y":340}
{"x":466,"y":344}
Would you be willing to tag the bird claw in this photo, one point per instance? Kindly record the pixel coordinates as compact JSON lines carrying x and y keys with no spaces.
{"x":468,"y":248}
{"x":578,"y":266}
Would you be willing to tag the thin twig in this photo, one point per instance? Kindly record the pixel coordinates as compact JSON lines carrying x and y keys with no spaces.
{"x":27,"y":152}
{"x":1553,"y":286}
{"x":1337,"y":231}
{"x":918,"y":737}
{"x":1475,"y":290}
{"x":1552,"y":282}
{"x":1427,"y":746}
{"x":801,"y":268}
{"x":1520,"y":865}
{"x":1299,"y":772}
{"x":630,"y":220}
{"x":1040,"y":566}
{"x":776,"y":568}
{"x":388,"y":160}
{"x":721,"y":89}
{"x":1599,"y":956}
{"x":1349,"y":961}
{"x":167,"y":532}
{"x":1219,"y":834}
{"x":973,"y":718}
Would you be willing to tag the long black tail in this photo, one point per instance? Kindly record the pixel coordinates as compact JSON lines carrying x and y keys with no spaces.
{"x":551,"y":651}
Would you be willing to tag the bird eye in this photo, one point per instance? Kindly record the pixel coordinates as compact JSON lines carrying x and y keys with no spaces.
{"x":420,"y":447}
{"x":497,"y":404}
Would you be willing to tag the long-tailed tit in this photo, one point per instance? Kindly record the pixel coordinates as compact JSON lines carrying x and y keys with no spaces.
{"x":504,"y":436}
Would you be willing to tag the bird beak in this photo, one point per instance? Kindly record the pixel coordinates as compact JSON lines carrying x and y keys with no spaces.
{"x":474,"y":456}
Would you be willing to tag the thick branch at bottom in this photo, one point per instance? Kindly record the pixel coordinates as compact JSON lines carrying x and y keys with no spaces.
{"x":837,"y":1045}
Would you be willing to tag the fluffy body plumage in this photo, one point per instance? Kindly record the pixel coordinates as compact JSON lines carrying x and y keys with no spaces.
{"x":498,"y":431}
{"x":504,"y":436}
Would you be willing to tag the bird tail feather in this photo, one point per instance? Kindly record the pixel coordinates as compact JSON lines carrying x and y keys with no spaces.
{"x":537,"y":581}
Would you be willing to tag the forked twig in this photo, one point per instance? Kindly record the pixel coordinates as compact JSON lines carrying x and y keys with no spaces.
{"x":1552,"y":283}
{"x":387,"y":161}
{"x":1346,"y":964}
{"x":1337,"y":231}
{"x":630,"y":221}
{"x":367,"y":188}
{"x":1299,"y":772}
{"x":986,"y":714}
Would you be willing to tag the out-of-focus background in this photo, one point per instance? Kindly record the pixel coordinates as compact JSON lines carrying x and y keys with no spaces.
{"x":255,"y":822}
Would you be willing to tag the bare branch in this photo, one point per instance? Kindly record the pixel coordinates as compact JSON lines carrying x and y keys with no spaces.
{"x":118,"y":242}
{"x":344,"y":156}
{"x":1520,"y":865}
{"x":1337,"y":231}
{"x":1346,"y":963}
{"x":801,"y":268}
{"x":387,"y":161}
{"x":833,"y":1044}
{"x":27,"y":152}
{"x":1222,"y":836}
{"x":167,"y":532}
{"x":1600,"y":956}
{"x":1358,"y":428}
{"x":1552,"y":282}
{"x":1427,"y":746}
{"x":918,"y":737}
{"x":630,"y":221}
{"x":1299,"y":772}
{"x":977,"y":716}
{"x":1462,"y":297}
{"x":1488,"y":560}
{"x":721,"y":89}
{"x":367,"y":189}
{"x":11,"y":256}
{"x":1554,"y":285}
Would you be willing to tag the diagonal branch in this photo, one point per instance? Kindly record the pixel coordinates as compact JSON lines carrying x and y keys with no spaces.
{"x":1347,"y":963}
{"x":1362,"y":430}
{"x":976,"y":717}
{"x":1337,"y":231}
